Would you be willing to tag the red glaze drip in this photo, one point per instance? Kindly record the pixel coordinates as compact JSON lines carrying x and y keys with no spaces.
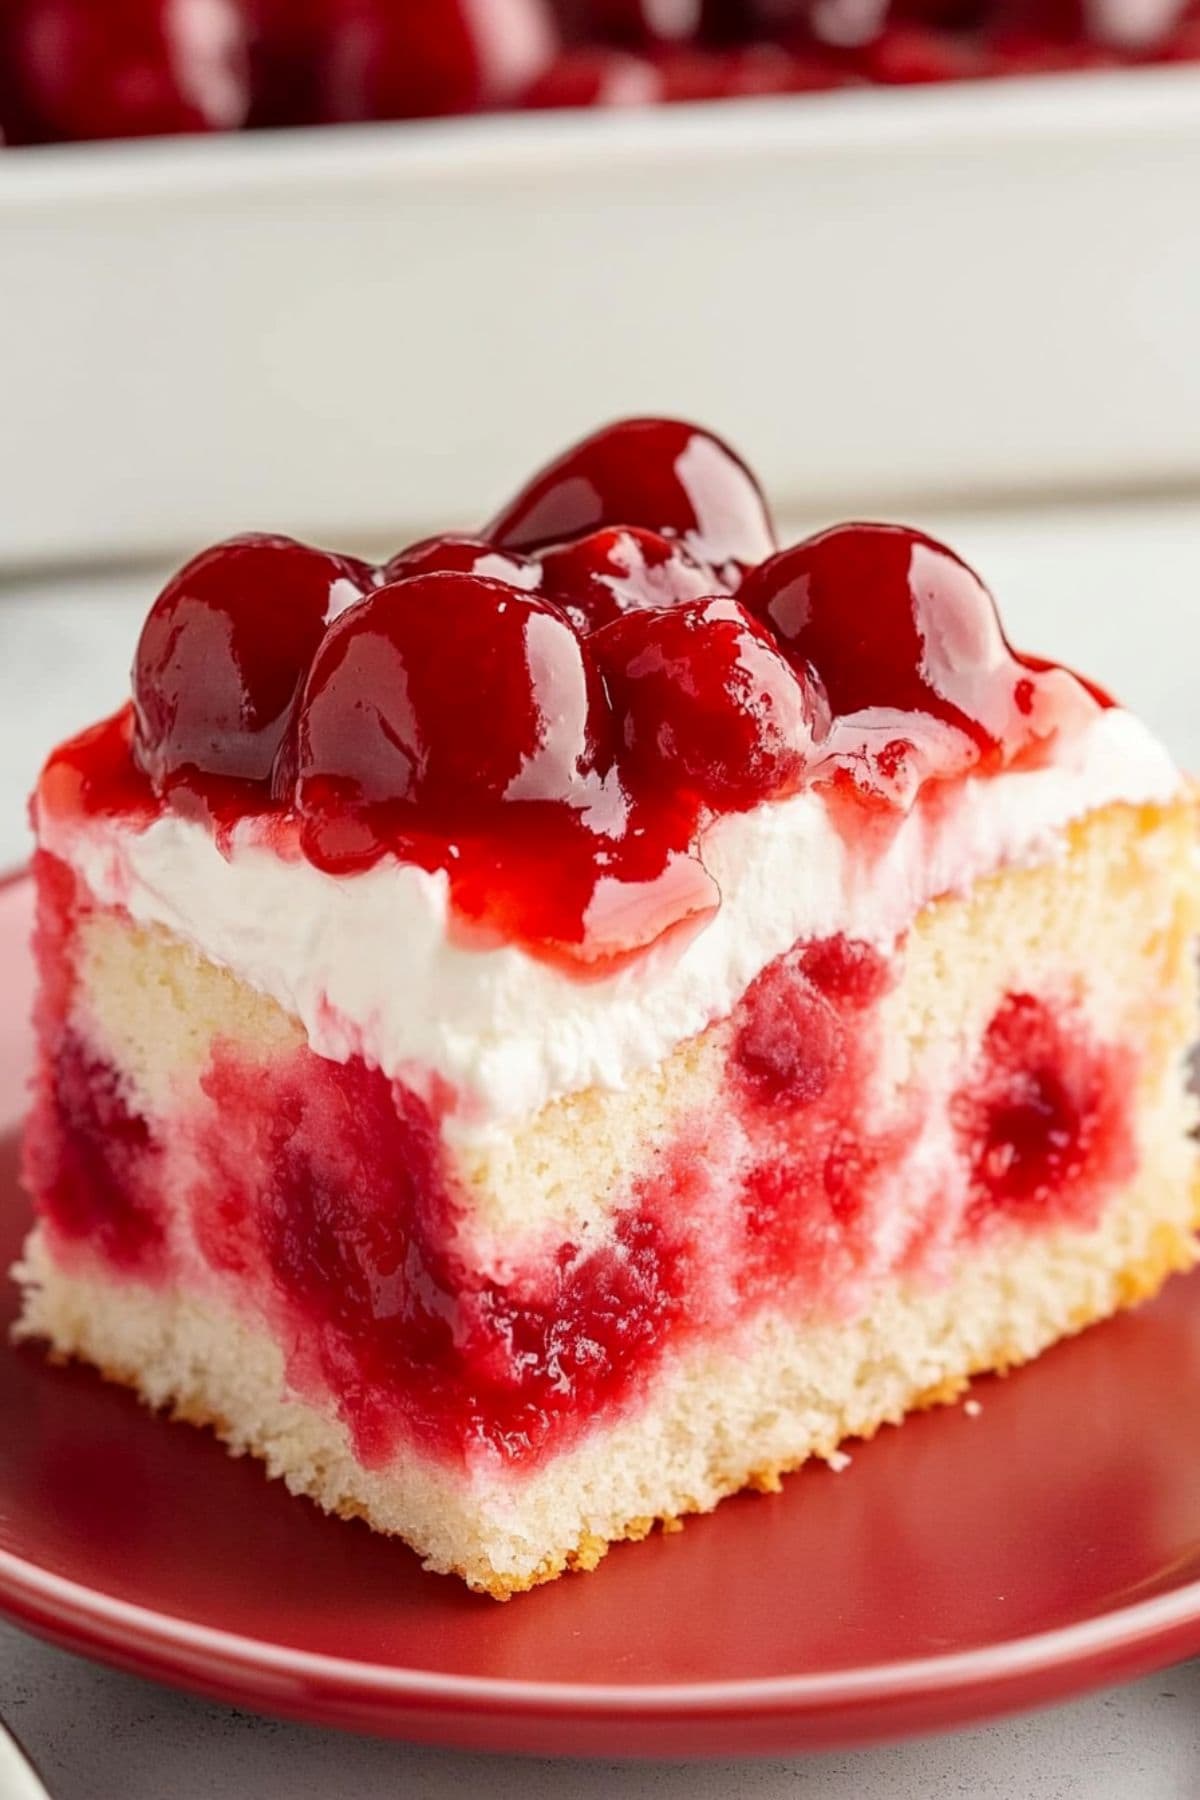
{"x":1026,"y":691}
{"x":497,"y":807}
{"x":94,"y":775}
{"x":624,"y":873}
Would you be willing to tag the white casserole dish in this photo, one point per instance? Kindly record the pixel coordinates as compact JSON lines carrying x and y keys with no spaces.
{"x":883,"y":297}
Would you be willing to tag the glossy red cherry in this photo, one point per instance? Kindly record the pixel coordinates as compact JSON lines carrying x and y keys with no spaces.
{"x":773,"y":15}
{"x":669,"y":476}
{"x":399,"y":59}
{"x":647,"y":21}
{"x":129,"y":68}
{"x":912,"y":55}
{"x":434,"y":705}
{"x":284,"y":61}
{"x":595,"y":75}
{"x":742,"y":71}
{"x":1044,"y":29}
{"x":618,"y":570}
{"x":1181,"y":42}
{"x":849,"y":25}
{"x":889,"y":618}
{"x":454,"y":554}
{"x":770,"y":69}
{"x":816,"y":69}
{"x":1037,"y":52}
{"x":727,"y":21}
{"x":224,"y":650}
{"x":704,"y":699}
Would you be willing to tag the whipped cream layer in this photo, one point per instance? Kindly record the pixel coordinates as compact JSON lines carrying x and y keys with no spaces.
{"x":369,"y":965}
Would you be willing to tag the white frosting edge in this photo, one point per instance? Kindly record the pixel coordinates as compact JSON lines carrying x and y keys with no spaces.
{"x":365,"y":962}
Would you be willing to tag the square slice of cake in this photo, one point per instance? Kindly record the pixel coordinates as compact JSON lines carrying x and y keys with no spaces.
{"x":543,"y":1035}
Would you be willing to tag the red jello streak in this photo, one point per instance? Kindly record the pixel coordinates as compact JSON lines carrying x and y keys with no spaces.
{"x":324,"y":1201}
{"x":1046,"y":1120}
{"x":93,"y":1162}
{"x":326,"y":1189}
{"x":89,"y":1157}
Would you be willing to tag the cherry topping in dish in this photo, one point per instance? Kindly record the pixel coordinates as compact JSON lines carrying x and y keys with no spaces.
{"x":618,"y":570}
{"x":224,"y":651}
{"x":647,"y":21}
{"x":129,"y":68}
{"x":595,"y":75}
{"x":284,"y":61}
{"x":706,"y":703}
{"x":436,"y":703}
{"x":663,"y":474}
{"x":380,"y":60}
{"x":742,"y":71}
{"x":911,"y":55}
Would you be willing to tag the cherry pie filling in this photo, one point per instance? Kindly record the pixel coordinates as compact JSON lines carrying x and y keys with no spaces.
{"x":555,"y":713}
{"x":83,"y":69}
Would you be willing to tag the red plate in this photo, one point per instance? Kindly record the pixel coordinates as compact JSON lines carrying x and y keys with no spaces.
{"x":963,"y":1566}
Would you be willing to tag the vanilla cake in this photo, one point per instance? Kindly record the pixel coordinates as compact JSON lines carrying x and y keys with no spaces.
{"x":543,"y":1035}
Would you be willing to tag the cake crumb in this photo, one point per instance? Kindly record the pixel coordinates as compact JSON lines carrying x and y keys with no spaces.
{"x":972,"y":1408}
{"x":838,"y":1460}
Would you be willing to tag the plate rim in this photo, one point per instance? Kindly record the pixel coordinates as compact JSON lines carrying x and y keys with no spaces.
{"x":328,"y":1688}
{"x":73,"y":1606}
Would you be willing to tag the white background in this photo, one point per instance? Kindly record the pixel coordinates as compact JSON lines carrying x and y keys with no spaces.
{"x":1116,"y":589}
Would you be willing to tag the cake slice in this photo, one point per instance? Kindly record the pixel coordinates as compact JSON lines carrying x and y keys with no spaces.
{"x":541,"y":1036}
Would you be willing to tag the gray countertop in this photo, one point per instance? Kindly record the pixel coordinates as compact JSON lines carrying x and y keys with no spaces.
{"x":97,"y":1735}
{"x":1114,"y":588}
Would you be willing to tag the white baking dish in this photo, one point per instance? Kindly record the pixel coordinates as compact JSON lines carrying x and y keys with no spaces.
{"x":881,"y":296}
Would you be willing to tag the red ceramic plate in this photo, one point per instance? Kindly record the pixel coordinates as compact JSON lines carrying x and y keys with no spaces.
{"x":962,"y":1566}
